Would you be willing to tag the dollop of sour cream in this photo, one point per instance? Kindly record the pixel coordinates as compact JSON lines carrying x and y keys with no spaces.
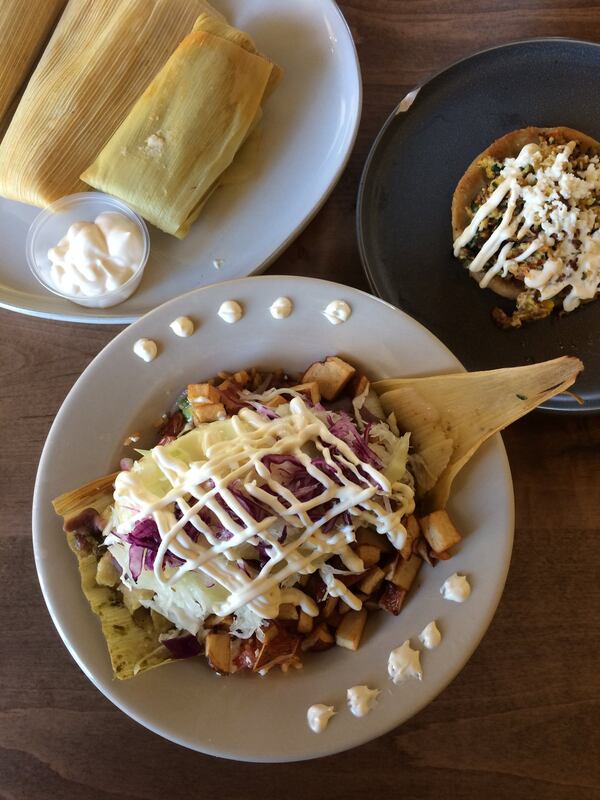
{"x":361,"y":699}
{"x":182,"y":326}
{"x":456,"y":588}
{"x":337,"y":311}
{"x":318,"y":717}
{"x":281,"y":308}
{"x":145,"y":349}
{"x":94,"y":258}
{"x":231,"y":311}
{"x":430,"y":636}
{"x":403,"y":663}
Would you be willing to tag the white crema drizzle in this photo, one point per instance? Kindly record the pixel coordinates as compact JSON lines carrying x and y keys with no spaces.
{"x":549,"y":200}
{"x":359,"y":488}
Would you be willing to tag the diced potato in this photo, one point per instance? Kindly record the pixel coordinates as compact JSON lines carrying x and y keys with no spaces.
{"x":343,"y":607}
{"x":371,"y":604}
{"x":320,"y":639}
{"x":305,"y":623}
{"x":360,"y":384}
{"x":351,"y":579}
{"x":370,"y":536}
{"x":329,"y":607}
{"x":413,"y":531}
{"x":439,"y":531}
{"x":205,"y":403}
{"x":287,"y":611}
{"x":231,"y":407}
{"x":371,"y":580}
{"x":369,"y":554}
{"x":277,"y":650}
{"x":107,"y":571}
{"x":331,"y":375}
{"x":241,"y":377}
{"x":218,"y":651}
{"x":405,"y":572}
{"x":423,"y":550}
{"x":443,"y":556}
{"x":208,"y":413}
{"x":350,"y":629}
{"x":311,"y":388}
{"x":392,"y":598}
{"x":202,"y":394}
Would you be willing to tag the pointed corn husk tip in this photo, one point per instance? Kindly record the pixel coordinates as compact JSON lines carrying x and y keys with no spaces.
{"x":470,"y":407}
{"x":96,"y":494}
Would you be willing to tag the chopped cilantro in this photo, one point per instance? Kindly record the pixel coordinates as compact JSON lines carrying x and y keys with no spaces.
{"x":183,"y":404}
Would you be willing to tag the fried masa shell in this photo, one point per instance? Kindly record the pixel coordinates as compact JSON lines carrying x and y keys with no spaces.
{"x":474,"y":180}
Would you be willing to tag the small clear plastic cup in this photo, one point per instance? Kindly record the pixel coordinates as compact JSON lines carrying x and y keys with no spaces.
{"x":51,"y":225}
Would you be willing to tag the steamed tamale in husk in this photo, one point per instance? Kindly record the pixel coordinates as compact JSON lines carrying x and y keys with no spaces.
{"x":24,"y":30}
{"x":101,"y":57}
{"x":180,"y":139}
{"x":448,"y":416}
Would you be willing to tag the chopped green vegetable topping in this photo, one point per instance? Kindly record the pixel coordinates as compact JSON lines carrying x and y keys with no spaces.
{"x":183,"y":404}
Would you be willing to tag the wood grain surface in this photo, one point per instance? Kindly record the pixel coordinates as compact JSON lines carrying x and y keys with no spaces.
{"x":520,"y":721}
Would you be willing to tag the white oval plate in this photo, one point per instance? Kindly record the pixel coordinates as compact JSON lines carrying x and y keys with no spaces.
{"x":245,"y":716}
{"x":309,"y":128}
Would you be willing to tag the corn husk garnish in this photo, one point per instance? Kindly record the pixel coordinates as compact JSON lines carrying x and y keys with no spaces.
{"x":131,"y":637}
{"x":464,"y":410}
{"x":101,"y":57}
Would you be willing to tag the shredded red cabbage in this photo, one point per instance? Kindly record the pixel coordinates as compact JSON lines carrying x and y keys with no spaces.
{"x":263,"y":552}
{"x":144,"y":541}
{"x":256,"y":510}
{"x":264,"y":410}
{"x":345,"y":429}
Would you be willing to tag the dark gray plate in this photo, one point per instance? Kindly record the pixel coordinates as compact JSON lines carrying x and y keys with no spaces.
{"x":404,"y":199}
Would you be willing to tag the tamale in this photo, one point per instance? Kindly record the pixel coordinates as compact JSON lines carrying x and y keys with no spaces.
{"x":209,"y":22}
{"x":24,"y":30}
{"x":185,"y":130}
{"x":101,"y":57}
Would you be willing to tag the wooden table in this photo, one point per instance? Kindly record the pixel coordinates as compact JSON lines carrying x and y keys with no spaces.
{"x":521,"y":720}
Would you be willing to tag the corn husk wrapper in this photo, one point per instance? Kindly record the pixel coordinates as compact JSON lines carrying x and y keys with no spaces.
{"x":184,"y":132}
{"x":101,"y":57}
{"x":131,"y":638}
{"x":464,"y":410}
{"x":24,"y":30}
